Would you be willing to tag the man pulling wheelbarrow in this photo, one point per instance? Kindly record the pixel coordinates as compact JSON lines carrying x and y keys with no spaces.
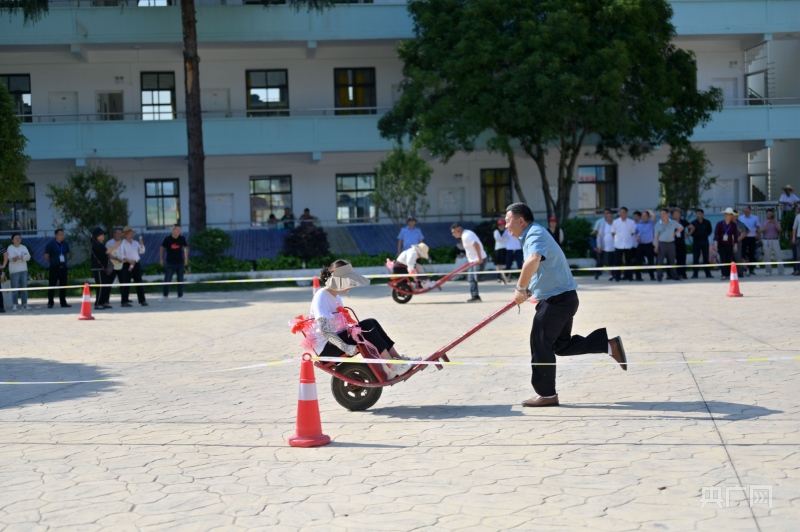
{"x":546,"y":275}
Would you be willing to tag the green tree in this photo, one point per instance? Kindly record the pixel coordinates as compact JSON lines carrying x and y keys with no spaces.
{"x":34,"y":10}
{"x":547,"y":75}
{"x":91,"y":197}
{"x":13,"y":161}
{"x":402,"y":179}
{"x":684,"y":178}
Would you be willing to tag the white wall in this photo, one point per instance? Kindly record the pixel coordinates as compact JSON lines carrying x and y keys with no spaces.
{"x":718,"y":59}
{"x":786,"y":57}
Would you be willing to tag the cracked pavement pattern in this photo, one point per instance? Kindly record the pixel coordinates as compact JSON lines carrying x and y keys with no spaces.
{"x":175,"y":449}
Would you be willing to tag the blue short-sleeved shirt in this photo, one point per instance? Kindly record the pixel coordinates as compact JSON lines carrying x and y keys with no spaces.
{"x":410,"y":237}
{"x":553,"y":276}
{"x":645,"y":231}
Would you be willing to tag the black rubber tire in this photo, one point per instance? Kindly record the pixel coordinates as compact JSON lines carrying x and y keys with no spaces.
{"x":400,"y":297}
{"x":353,"y":398}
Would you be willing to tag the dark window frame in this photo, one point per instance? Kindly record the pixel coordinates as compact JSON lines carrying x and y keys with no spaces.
{"x":14,"y":208}
{"x":25,"y":116}
{"x":263,"y":223}
{"x":173,"y":98}
{"x":610,"y":187}
{"x":157,"y":196}
{"x":373,"y":85}
{"x":357,"y":219}
{"x":279,"y":110}
{"x":506,"y":189}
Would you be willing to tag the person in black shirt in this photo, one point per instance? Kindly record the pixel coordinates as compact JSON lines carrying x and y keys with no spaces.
{"x":177,"y":259}
{"x":700,"y":229}
{"x":57,"y":254}
{"x":288,"y":218}
{"x":680,"y":243}
{"x":99,"y":263}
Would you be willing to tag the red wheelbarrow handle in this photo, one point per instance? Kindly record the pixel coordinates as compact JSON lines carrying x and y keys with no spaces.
{"x":472,"y":331}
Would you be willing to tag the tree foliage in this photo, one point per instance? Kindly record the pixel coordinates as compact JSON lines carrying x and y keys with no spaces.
{"x":13,"y":161}
{"x":684,"y":178}
{"x":402,"y":180}
{"x":546,"y":75}
{"x":306,"y":241}
{"x":91,"y":197}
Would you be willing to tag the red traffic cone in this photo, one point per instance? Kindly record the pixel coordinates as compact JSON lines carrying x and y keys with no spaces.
{"x":308,"y":431}
{"x":86,"y":306}
{"x":316,"y":285}
{"x":734,"y":290}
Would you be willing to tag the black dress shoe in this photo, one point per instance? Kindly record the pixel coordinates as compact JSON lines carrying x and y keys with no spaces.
{"x":126,"y":305}
{"x":474,"y":300}
{"x":49,"y":305}
{"x":106,"y":305}
{"x":66,"y":306}
{"x":145,"y":304}
{"x":99,"y":307}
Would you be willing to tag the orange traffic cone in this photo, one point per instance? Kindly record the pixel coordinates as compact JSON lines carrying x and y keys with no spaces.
{"x":86,"y":306}
{"x":734,"y":290}
{"x":308,"y":431}
{"x":316,"y":285}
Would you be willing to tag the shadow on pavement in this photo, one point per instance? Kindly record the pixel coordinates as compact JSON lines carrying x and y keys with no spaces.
{"x":719,"y":409}
{"x":446,"y":411}
{"x":42,"y":370}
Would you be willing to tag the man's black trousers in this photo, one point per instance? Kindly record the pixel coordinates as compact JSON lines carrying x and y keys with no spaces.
{"x":58,"y":276}
{"x":749,"y":251}
{"x":700,"y":248}
{"x":618,"y":255}
{"x":645,"y":251}
{"x":130,"y":274}
{"x":551,"y":335}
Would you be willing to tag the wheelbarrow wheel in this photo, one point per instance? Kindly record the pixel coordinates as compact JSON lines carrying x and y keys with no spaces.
{"x":353,"y":397}
{"x":400,"y":297}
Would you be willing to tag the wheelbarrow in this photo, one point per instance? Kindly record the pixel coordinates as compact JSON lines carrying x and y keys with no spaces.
{"x":404,"y":288}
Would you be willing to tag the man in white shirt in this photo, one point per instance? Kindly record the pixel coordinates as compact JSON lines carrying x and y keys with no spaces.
{"x":605,"y":243}
{"x":116,"y":259}
{"x":475,"y":253}
{"x":622,"y":229}
{"x":130,"y":252}
{"x":788,"y":199}
{"x":597,"y":247}
{"x":749,"y":242}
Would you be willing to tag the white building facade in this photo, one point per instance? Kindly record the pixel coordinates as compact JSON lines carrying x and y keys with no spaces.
{"x":291,"y":103}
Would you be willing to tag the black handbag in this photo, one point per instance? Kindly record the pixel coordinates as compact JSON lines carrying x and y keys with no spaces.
{"x":109,"y":266}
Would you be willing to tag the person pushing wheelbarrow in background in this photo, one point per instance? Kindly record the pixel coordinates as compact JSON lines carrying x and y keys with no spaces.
{"x":545,"y":274}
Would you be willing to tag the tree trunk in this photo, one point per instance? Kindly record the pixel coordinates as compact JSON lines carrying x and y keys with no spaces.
{"x":512,"y":165}
{"x":539,"y":158}
{"x":194,"y":119}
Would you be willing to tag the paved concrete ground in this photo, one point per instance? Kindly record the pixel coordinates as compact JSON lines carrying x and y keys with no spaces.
{"x":174,"y":449}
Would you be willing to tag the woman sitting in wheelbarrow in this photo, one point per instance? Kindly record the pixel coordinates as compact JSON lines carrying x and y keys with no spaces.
{"x":407,"y":262}
{"x":333,"y":337}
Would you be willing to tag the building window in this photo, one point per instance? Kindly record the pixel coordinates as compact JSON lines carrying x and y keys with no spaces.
{"x":269,"y":195}
{"x":355,"y":198}
{"x":20,"y":216}
{"x":158,"y":95}
{"x":162,"y":203}
{"x":495,"y":191}
{"x":19,"y":85}
{"x":267,"y":91}
{"x":355,"y":87}
{"x":597,"y":188}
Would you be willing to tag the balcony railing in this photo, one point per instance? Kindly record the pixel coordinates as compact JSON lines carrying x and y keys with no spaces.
{"x":168,"y":3}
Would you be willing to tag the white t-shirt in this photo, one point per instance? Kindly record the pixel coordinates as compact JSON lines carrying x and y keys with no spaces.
{"x":23,"y":253}
{"x":409,"y":257}
{"x":623,"y":233}
{"x":323,"y":305}
{"x":751,"y":222}
{"x":604,"y":238}
{"x":512,"y":243}
{"x":468,"y":240}
{"x":500,"y":239}
{"x":598,"y":224}
{"x":788,"y":199}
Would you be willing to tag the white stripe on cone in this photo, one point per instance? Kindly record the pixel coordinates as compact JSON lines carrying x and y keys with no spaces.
{"x":87,"y":299}
{"x":308,"y":391}
{"x":734,"y":277}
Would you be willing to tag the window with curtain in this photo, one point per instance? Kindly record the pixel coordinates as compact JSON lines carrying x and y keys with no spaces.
{"x":158,"y":95}
{"x":162,"y":203}
{"x":267,"y":92}
{"x":495,"y":191}
{"x":269,"y":195}
{"x":355,"y":87}
{"x":597,"y":188}
{"x":19,"y":86}
{"x":355,"y":198}
{"x":20,"y":215}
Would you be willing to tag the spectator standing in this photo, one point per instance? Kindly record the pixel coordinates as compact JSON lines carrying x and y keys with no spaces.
{"x":18,"y":257}
{"x":99,"y":263}
{"x":513,"y":252}
{"x":795,"y":241}
{"x":788,"y":199}
{"x":555,"y":231}
{"x":475,"y":253}
{"x":700,"y":229}
{"x":680,"y":242}
{"x":664,"y":239}
{"x":177,"y":260}
{"x":4,"y":254}
{"x":741,"y":231}
{"x":623,"y":229}
{"x":410,"y":235}
{"x":726,"y":238}
{"x":769,"y":232}
{"x":132,"y":270}
{"x":115,"y":256}
{"x":750,"y":243}
{"x":288,"y":218}
{"x":605,"y":238}
{"x":501,"y":237}
{"x":306,"y":218}
{"x":644,"y":241}
{"x":637,"y":216}
{"x":597,"y":248}
{"x":57,"y":254}
{"x":272,"y":222}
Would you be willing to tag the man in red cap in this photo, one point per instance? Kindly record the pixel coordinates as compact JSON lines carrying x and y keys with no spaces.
{"x":556,"y":232}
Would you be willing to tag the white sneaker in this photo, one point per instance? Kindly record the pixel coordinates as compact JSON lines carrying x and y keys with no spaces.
{"x":160,"y":299}
{"x":28,"y":307}
{"x":181,"y":299}
{"x":14,"y":308}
